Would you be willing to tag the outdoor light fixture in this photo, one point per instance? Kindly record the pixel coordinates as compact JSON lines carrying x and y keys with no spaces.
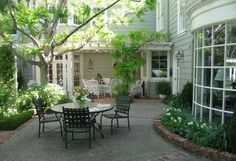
{"x":90,"y":65}
{"x":179,"y":54}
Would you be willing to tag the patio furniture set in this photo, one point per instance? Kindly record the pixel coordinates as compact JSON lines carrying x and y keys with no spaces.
{"x":75,"y":119}
{"x":107,"y":86}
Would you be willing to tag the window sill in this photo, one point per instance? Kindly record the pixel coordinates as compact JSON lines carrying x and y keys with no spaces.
{"x":181,"y":33}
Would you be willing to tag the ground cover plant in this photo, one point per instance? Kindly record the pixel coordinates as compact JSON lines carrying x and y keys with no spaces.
{"x":178,"y":118}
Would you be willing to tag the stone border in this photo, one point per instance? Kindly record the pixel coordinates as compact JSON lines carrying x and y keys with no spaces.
{"x":208,"y":152}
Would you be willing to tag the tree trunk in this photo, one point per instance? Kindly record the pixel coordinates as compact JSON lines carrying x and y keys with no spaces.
{"x":43,"y":73}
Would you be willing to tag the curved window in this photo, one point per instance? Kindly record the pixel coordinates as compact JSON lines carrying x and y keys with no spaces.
{"x":215,"y":72}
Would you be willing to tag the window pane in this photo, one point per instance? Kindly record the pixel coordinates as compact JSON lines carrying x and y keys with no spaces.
{"x":230,"y":78}
{"x":216,"y":116}
{"x":219,"y":34}
{"x":205,"y":114}
{"x":218,"y":57}
{"x":231,"y":55}
{"x":206,"y":97}
{"x":217,"y":96}
{"x":207,"y":77}
{"x":60,"y":74}
{"x":218,"y":77}
{"x":208,"y":36}
{"x":199,"y":76}
{"x":199,"y":38}
{"x":231,"y":32}
{"x":230,"y":103}
{"x":207,"y":57}
{"x":159,"y":64}
{"x":198,"y":95}
{"x":200,"y":57}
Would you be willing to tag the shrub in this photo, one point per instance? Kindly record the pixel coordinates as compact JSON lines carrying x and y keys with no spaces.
{"x":163,"y":87}
{"x":13,"y":121}
{"x":24,"y":100}
{"x":7,"y":95}
{"x":232,"y":133}
{"x":51,"y":94}
{"x":187,"y":95}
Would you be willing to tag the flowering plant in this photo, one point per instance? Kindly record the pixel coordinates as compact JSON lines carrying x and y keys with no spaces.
{"x":80,"y":95}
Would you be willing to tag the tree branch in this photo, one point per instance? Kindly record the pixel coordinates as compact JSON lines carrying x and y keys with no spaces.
{"x":32,"y":62}
{"x":85,"y":23}
{"x":34,"y":40}
{"x":79,"y":48}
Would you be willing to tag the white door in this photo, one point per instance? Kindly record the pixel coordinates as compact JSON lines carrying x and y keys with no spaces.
{"x":175,"y":78}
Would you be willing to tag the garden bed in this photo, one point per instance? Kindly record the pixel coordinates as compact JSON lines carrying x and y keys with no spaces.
{"x":211,"y":153}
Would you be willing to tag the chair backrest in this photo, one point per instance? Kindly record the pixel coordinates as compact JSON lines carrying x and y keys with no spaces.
{"x":140,"y":83}
{"x":85,"y":83}
{"x":107,"y":81}
{"x":93,"y":85}
{"x":123,"y":104}
{"x":76,"y":118}
{"x":39,"y":108}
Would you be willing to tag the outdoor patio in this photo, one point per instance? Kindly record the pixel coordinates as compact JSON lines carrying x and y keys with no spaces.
{"x":140,"y":144}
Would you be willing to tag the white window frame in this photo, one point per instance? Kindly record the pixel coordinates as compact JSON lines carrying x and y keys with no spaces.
{"x":168,"y":68}
{"x":181,"y":21}
{"x":159,"y":16}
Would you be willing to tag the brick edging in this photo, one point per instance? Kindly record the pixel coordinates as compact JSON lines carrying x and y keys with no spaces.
{"x":208,"y":152}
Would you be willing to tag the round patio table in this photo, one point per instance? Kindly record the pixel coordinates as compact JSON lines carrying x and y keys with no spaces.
{"x":93,"y":107}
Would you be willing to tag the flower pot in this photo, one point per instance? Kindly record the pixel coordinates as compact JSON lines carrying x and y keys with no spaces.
{"x":162,"y":96}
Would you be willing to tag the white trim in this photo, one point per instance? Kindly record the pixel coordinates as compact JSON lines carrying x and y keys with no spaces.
{"x":159,"y":16}
{"x":213,"y":12}
{"x":180,"y":19}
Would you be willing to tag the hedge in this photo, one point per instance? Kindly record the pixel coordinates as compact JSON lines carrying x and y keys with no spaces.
{"x":12,"y":122}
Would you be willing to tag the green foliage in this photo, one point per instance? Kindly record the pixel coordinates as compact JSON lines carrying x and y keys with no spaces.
{"x":13,"y":121}
{"x":126,"y":53}
{"x":51,"y":94}
{"x":232,"y":133}
{"x":163,"y":87}
{"x":187,"y":94}
{"x":7,"y":95}
{"x":7,"y":64}
{"x":181,"y":122}
{"x":183,"y":99}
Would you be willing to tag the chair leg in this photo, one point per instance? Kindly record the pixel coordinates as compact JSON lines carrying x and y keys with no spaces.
{"x":66,"y":139}
{"x":61,"y":128}
{"x":89,"y":139}
{"x":39,"y":129}
{"x":117,"y":121}
{"x":93,"y":132}
{"x":111,"y":126}
{"x":100,"y":126}
{"x":43,"y":126}
{"x":128,"y":124}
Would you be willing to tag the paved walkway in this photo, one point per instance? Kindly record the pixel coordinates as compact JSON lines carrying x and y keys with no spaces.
{"x":140,"y":144}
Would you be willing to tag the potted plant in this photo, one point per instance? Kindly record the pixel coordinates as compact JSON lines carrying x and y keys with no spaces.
{"x":163,"y":89}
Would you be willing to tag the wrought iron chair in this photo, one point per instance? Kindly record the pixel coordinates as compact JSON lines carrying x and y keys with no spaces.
{"x":78,"y":121}
{"x":44,"y":117}
{"x":121,"y":111}
{"x":94,"y":88}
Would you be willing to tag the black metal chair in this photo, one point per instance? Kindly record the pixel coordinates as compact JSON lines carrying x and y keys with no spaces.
{"x":77,"y":121}
{"x":121,"y":111}
{"x":45,"y":117}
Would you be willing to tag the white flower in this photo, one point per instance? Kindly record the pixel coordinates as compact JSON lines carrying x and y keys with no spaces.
{"x":179,"y":118}
{"x":168,"y":114}
{"x":175,"y":120}
{"x":190,"y":123}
